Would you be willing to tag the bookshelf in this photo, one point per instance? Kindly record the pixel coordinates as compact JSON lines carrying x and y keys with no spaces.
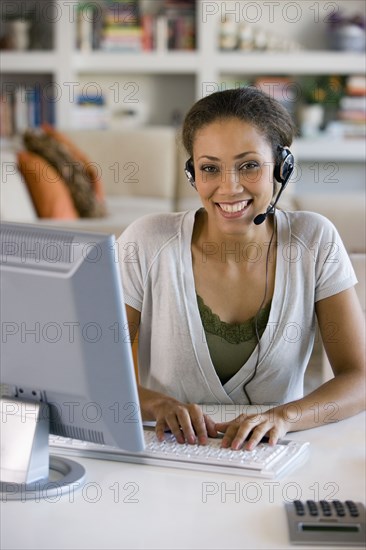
{"x":165,"y":82}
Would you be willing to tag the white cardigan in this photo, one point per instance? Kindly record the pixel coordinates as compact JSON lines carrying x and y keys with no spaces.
{"x":154,"y":255}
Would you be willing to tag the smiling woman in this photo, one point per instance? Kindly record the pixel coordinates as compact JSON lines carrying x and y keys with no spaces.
{"x":226,"y":297}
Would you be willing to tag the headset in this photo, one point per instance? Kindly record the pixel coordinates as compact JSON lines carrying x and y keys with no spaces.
{"x":189,"y":171}
{"x":285,"y":164}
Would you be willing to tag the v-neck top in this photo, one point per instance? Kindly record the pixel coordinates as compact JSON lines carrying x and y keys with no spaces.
{"x":174,"y":357}
{"x":231,"y":344}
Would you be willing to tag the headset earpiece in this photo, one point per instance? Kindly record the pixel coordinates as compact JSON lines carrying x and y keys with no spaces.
{"x":189,"y":171}
{"x":283,"y":169}
{"x":284,"y":166}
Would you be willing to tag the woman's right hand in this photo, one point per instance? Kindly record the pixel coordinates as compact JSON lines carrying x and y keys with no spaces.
{"x":186,"y":421}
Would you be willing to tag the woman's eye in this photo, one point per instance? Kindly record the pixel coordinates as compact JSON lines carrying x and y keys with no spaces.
{"x":249,"y":166}
{"x":209,"y":169}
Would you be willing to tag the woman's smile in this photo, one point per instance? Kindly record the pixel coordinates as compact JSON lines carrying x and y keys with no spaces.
{"x":233,"y":209}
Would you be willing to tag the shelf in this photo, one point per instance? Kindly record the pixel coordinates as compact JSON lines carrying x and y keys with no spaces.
{"x":28,"y":62}
{"x":309,"y":62}
{"x":190,"y":62}
{"x":230,"y":62}
{"x":148,"y":62}
{"x":328,"y":148}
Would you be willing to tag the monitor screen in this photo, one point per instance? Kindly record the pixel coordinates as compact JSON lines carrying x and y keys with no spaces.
{"x":65,"y":338}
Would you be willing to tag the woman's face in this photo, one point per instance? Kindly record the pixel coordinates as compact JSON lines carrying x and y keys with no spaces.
{"x":233,"y":172}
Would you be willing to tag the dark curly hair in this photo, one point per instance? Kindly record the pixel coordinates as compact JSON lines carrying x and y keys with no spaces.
{"x":247,"y":104}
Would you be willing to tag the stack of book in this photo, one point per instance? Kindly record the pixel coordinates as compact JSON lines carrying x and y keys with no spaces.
{"x":90,"y":112}
{"x":121,"y":25}
{"x":175,"y":26}
{"x":24,"y":107}
{"x":352,"y":111}
{"x":121,"y":28}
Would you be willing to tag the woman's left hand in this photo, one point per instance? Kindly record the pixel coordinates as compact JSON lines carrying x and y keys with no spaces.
{"x":270,"y":423}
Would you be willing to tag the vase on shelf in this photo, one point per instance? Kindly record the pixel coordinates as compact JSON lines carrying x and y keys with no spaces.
{"x":311,"y":118}
{"x":18,"y":34}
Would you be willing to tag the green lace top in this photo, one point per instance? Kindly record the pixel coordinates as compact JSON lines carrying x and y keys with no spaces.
{"x":230,"y":344}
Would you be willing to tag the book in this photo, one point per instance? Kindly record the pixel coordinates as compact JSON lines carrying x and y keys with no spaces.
{"x":351,"y":115}
{"x":121,"y":25}
{"x":25,"y":106}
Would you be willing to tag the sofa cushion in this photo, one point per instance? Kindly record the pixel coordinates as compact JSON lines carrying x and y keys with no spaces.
{"x":91,"y":168}
{"x":345,"y":210}
{"x":138,"y":162}
{"x":71,"y":171}
{"x":49,"y":193}
{"x":16,"y":203}
{"x":122,"y":211}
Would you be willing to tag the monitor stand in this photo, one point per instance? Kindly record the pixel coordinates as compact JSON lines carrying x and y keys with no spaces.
{"x":27,"y":470}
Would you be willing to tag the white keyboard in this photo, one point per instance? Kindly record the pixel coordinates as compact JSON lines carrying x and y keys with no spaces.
{"x":264,"y":461}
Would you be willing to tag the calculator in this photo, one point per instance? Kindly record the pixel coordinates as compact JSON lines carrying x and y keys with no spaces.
{"x":332,"y":523}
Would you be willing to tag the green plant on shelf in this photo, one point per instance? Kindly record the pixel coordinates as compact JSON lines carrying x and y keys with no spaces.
{"x":325,"y":90}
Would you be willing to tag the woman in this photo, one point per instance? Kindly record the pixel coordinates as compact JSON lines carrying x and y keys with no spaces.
{"x":225,"y":298}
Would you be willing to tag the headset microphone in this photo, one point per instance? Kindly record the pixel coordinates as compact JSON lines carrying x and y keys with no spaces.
{"x":282,"y":173}
{"x":261,"y":217}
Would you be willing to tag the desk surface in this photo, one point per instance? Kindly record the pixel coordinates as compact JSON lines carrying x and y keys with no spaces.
{"x":133,"y":506}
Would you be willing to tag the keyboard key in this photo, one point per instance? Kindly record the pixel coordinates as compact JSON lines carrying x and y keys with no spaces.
{"x":326,"y":508}
{"x":312,"y":507}
{"x":299,"y":507}
{"x":353,"y":510}
{"x":339,"y":508}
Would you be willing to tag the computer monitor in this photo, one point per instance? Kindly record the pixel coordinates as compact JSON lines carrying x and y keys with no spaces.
{"x":66,"y":359}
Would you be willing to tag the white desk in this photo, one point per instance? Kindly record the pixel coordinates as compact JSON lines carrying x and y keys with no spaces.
{"x":133,"y":506}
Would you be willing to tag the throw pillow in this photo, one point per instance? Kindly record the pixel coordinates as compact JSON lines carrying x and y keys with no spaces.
{"x":71,"y":170}
{"x":50,"y":195}
{"x":89,"y":167}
